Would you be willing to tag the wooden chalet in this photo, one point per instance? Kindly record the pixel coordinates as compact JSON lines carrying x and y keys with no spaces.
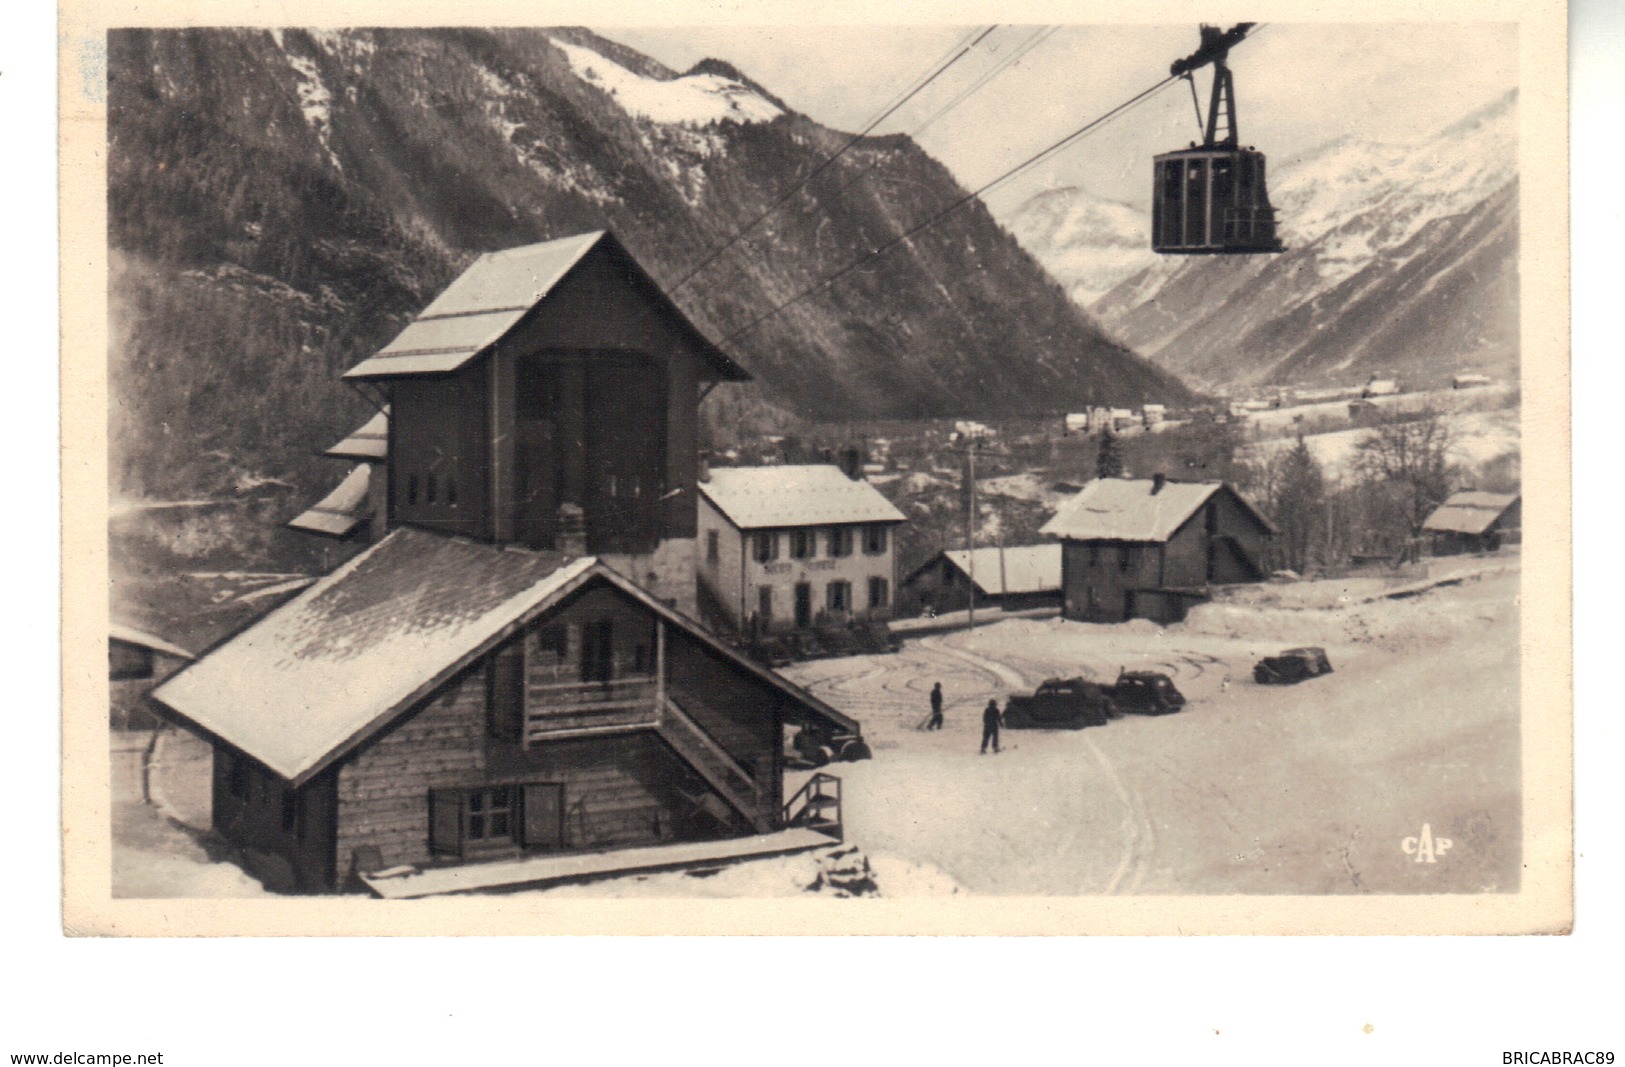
{"x":508,"y":686}
{"x":1473,"y":521}
{"x":1152,"y":548}
{"x":549,"y":397}
{"x":438,"y":702}
{"x":1017,"y":578}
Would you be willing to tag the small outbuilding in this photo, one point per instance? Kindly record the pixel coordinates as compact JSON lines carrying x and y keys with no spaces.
{"x":1014,"y":579}
{"x":1151,"y":548}
{"x":1473,"y":521}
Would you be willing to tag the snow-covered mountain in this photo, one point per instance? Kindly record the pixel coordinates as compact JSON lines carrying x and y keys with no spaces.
{"x":281,"y":202}
{"x":1090,"y":244}
{"x":1402,"y":260}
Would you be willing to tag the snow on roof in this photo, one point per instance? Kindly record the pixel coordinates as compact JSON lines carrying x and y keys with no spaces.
{"x":1123,"y":509}
{"x":485,"y":302}
{"x":810,"y":495}
{"x":1469,"y":512}
{"x":131,"y":636}
{"x":489,"y":298}
{"x":692,"y":100}
{"x":1026,"y":568}
{"x":321,"y":673}
{"x":370,"y":441}
{"x":342,"y":510}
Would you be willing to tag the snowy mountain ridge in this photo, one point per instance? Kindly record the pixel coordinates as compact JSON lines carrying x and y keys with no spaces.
{"x":1356,"y":218}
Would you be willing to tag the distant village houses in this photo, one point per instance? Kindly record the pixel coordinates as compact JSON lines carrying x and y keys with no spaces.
{"x":1152,"y":548}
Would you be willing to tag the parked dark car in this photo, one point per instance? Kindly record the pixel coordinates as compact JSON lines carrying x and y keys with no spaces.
{"x":1060,"y":704}
{"x":1146,"y":693}
{"x":1292,"y":666}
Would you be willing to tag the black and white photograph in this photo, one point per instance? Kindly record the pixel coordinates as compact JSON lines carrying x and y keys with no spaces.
{"x":868,"y":473}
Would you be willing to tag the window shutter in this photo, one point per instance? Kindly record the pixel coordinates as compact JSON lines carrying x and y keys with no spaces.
{"x":446,"y":821}
{"x":505,"y":692}
{"x":544,"y":816}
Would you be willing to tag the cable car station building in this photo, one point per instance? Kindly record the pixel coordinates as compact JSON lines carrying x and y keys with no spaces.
{"x":509,"y":686}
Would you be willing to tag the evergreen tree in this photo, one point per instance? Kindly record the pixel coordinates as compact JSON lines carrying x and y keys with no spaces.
{"x":1300,"y":497}
{"x":1109,"y":460}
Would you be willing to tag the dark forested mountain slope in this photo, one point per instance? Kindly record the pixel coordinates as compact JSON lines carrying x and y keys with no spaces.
{"x":281,"y":202}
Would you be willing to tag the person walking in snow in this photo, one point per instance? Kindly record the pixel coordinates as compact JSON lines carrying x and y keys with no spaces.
{"x":935,"y":722}
{"x":990,"y":726}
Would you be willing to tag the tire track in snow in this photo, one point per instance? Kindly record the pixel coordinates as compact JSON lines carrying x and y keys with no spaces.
{"x":1137,"y":828}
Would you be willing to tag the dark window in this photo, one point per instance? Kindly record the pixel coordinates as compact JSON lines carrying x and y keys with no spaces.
{"x":411,"y":489}
{"x":840,"y":541}
{"x":764,"y":602}
{"x":838,"y":596}
{"x":553,"y":640}
{"x":505,"y":693}
{"x":878,"y":592}
{"x":598,"y":650}
{"x":489,"y":816}
{"x":803,"y":544}
{"x":712,"y":550}
{"x":767,"y":546}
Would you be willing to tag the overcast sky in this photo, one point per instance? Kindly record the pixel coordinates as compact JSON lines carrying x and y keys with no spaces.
{"x":1297,"y":86}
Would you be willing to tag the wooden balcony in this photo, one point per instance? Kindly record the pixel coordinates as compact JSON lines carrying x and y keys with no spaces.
{"x":558,"y":710}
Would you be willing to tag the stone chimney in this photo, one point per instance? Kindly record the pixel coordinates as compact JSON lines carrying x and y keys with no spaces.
{"x":704,"y":471}
{"x":570,"y":531}
{"x":1158,"y":480}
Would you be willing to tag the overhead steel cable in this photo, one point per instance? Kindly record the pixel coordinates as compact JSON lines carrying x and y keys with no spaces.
{"x":1038,"y":37}
{"x":941,"y":67}
{"x":1026,"y":164}
{"x":932,"y":220}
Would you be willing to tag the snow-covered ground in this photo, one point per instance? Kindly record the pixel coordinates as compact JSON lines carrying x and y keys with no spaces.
{"x":1251,"y":789}
{"x":1305,"y":789}
{"x":1476,"y":438}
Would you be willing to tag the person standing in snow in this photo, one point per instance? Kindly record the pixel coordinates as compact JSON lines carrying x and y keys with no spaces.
{"x":990,"y":726}
{"x":935,"y":722}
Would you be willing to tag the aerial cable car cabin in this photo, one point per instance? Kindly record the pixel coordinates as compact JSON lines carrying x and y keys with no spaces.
{"x":1211,"y":199}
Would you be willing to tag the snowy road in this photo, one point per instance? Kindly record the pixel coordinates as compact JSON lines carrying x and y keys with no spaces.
{"x":1306,"y":789}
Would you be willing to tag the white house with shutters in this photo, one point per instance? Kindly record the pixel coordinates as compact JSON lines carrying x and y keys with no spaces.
{"x":783,"y":547}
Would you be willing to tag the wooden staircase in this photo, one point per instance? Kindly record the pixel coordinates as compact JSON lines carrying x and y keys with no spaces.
{"x":720,"y":770}
{"x":817,"y":806}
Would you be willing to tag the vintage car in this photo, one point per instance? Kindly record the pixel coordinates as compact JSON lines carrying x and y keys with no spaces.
{"x":1292,"y":666}
{"x":1060,"y":704}
{"x":1145,"y":693}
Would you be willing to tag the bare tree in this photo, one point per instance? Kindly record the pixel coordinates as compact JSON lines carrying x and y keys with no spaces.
{"x":1407,"y":461}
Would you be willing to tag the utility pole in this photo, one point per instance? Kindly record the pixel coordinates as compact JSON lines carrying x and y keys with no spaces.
{"x":970,"y":525}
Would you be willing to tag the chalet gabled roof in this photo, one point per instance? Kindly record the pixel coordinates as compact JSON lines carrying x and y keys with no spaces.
{"x":1127,"y":509}
{"x":367,"y":443}
{"x":494,"y":294}
{"x":1469,"y":512}
{"x":338,"y":513}
{"x":318,"y":677}
{"x":1024,"y":569}
{"x":754,"y":498}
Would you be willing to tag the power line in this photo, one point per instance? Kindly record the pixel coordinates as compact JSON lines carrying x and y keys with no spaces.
{"x":941,"y":67}
{"x":1030,"y":161}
